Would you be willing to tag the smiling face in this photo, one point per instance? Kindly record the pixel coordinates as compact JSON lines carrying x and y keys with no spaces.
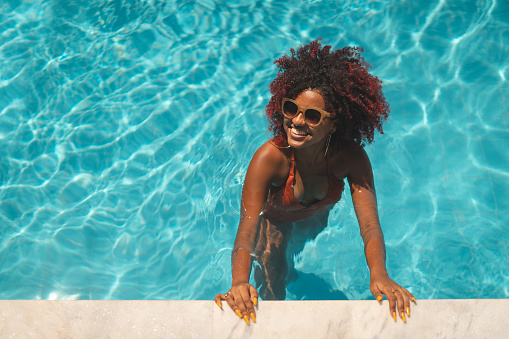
{"x":299,"y":133}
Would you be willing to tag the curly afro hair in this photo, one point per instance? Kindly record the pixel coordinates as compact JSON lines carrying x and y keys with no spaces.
{"x":352,"y":95}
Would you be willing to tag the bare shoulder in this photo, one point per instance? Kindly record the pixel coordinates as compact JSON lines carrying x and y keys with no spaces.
{"x":348,"y":160}
{"x":273,"y":161}
{"x":269,"y":152}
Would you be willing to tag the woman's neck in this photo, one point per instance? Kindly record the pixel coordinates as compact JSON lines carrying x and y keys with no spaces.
{"x":310,"y":156}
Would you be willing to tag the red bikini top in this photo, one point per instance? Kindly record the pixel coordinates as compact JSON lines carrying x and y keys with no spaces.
{"x":282,"y":206}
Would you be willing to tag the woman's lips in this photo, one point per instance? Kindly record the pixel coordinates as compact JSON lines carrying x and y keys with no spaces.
{"x":298,"y":134}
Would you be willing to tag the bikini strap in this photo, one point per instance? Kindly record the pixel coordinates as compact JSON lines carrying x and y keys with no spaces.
{"x":292,"y":168}
{"x":288,"y":197}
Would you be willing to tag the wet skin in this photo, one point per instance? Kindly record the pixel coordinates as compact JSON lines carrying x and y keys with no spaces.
{"x":270,"y":167}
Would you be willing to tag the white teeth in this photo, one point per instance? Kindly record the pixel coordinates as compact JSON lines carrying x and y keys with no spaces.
{"x":299,"y":132}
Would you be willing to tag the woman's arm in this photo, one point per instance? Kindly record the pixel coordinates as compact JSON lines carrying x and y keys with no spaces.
{"x":263,"y":171}
{"x":360,"y":179}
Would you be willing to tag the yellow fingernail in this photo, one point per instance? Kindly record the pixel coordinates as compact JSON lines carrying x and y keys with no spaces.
{"x":394,"y":315}
{"x":255,"y":301}
{"x":246,"y":319}
{"x":253,"y":317}
{"x":379,"y":298}
{"x":408,"y":310}
{"x":413,"y":299}
{"x":237,"y":312}
{"x":403,"y":316}
{"x":219,"y":304}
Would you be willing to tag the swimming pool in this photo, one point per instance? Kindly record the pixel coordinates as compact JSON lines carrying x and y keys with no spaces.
{"x":126,"y":128}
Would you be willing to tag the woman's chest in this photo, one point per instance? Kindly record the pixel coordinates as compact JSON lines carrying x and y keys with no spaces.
{"x":310,"y":187}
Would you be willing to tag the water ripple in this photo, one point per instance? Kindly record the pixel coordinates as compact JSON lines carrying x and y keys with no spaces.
{"x":126,"y":129}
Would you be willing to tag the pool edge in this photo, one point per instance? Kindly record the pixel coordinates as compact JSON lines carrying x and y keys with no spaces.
{"x":449,"y":318}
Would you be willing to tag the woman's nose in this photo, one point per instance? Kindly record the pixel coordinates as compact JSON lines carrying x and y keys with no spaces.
{"x":299,"y":119}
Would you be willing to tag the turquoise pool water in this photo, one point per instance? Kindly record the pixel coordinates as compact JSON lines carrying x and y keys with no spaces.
{"x":126,"y":128}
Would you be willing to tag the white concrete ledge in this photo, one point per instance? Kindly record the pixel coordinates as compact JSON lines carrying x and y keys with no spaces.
{"x":486,"y":318}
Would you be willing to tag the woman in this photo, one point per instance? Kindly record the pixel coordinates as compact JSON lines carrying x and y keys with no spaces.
{"x":325,"y":106}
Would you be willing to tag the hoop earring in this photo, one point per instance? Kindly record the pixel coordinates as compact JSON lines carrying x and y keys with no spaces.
{"x":327,"y":145}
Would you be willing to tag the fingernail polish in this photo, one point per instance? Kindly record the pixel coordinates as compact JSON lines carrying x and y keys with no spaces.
{"x":237,"y":312}
{"x":246,"y":319}
{"x":255,"y":301}
{"x":394,"y":315}
{"x":403,"y":316}
{"x":219,"y":304}
{"x":253,"y":317}
{"x":379,"y":298}
{"x":408,"y":310}
{"x":413,"y":299}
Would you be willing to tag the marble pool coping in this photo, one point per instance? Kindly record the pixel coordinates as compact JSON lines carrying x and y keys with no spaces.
{"x":456,"y":318}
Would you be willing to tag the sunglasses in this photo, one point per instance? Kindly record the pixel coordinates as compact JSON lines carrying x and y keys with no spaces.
{"x":312,"y":116}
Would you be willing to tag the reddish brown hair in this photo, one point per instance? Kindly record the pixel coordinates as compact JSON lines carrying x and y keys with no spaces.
{"x":351,"y":94}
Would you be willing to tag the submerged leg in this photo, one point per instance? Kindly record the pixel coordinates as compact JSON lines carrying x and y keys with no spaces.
{"x":277,"y":244}
{"x":271,"y":275}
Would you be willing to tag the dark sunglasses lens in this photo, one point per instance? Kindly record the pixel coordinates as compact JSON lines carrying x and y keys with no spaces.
{"x":313,"y":116}
{"x":290,"y":109}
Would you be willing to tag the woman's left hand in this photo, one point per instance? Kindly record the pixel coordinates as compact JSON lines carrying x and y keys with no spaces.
{"x":397,"y":295}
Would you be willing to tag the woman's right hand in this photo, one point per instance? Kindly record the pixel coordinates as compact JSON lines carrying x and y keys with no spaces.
{"x":241,"y":298}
